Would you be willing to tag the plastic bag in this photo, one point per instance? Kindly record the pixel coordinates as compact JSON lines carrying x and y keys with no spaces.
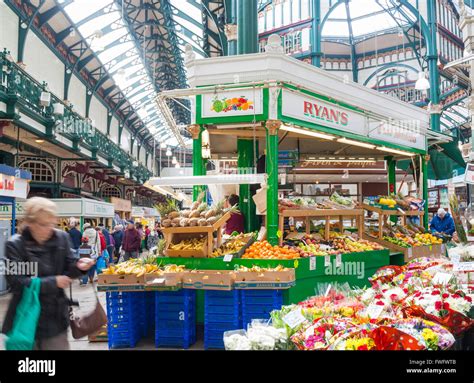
{"x":22,"y":334}
{"x":101,"y":264}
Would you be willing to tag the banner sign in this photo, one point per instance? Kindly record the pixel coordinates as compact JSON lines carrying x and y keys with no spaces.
{"x":242,"y":102}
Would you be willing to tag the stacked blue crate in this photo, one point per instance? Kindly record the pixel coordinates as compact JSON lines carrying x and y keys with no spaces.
{"x":258,"y":304}
{"x":150,"y":311}
{"x":124,"y":320}
{"x":221,"y":314}
{"x":175,"y":318}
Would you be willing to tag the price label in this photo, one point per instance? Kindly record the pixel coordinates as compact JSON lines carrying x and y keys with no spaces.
{"x":442,"y":278}
{"x":338,"y":260}
{"x":157,"y":281}
{"x":410,"y":252}
{"x":228,"y":257}
{"x":373,"y":311}
{"x":294,"y":318}
{"x":312,"y":263}
{"x":327,"y":260}
{"x":463,"y":266}
{"x":327,"y":290}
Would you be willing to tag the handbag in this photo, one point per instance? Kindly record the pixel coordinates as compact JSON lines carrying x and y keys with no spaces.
{"x":22,"y":334}
{"x":85,"y":325}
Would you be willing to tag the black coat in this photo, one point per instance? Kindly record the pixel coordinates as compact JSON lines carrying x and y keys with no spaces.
{"x":53,"y":258}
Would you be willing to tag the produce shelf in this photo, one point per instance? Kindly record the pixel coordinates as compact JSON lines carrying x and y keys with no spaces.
{"x":327,"y":214}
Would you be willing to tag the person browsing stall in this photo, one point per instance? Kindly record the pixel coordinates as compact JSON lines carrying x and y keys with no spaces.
{"x":443,"y":223}
{"x":236,"y":220}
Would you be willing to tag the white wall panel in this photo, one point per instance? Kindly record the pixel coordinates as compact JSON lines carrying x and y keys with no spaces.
{"x":98,"y":113}
{"x":114,"y":130}
{"x":44,"y":65}
{"x":9,"y":30}
{"x":77,"y":95}
{"x":125,"y":140}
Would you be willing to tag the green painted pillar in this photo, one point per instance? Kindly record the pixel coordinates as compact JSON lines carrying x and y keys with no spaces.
{"x":247,"y":21}
{"x":316,"y":34}
{"x":231,"y":26}
{"x":432,"y":58}
{"x":424,"y":180}
{"x":392,"y":180}
{"x":245,"y":164}
{"x":199,"y":168}
{"x":272,"y":180}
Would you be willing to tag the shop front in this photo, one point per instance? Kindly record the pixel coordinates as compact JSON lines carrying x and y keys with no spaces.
{"x":122,"y":207}
{"x":147,"y":216}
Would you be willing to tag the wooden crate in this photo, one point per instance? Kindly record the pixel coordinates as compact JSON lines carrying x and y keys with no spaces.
{"x":209,"y":279}
{"x":175,"y":238}
{"x":127,"y":279}
{"x":409,"y":253}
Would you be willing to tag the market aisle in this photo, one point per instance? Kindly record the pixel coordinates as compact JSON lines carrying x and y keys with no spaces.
{"x":86,"y":300}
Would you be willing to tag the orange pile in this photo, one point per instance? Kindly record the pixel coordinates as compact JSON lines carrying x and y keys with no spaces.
{"x":263,"y":250}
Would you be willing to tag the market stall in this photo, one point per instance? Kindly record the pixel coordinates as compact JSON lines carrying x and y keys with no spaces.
{"x":87,"y":210}
{"x":122,"y":207}
{"x":147,"y":216}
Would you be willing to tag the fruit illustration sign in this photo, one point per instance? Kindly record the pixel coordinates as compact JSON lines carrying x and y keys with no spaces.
{"x":304,"y":107}
{"x":232,"y":103}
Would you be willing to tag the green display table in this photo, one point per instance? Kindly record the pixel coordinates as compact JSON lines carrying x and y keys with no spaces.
{"x":355,"y":269}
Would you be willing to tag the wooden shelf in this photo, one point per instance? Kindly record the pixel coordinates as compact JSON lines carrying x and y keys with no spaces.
{"x":326,"y":214}
{"x":168,"y":232}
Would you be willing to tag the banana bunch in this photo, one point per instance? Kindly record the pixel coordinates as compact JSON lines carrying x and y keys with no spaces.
{"x":189,"y":244}
{"x":229,"y":247}
{"x":258,"y":269}
{"x":131,"y":267}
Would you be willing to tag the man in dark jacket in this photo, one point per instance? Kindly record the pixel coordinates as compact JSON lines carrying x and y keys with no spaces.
{"x":118,"y":237}
{"x":442,"y":223}
{"x":131,"y":242}
{"x":76,"y":236}
{"x":47,"y":249}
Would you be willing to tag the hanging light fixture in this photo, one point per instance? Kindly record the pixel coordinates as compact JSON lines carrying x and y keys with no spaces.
{"x":174,"y":161}
{"x":162,"y":145}
{"x":177,"y":165}
{"x":97,"y":42}
{"x":168,"y":152}
{"x":422,"y":83}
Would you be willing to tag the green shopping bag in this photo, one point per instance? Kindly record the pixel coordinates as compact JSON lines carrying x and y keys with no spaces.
{"x":22,"y":334}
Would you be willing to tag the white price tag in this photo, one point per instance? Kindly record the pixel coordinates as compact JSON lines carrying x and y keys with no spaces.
{"x":294,"y":318}
{"x":327,"y":290}
{"x":410,"y":252}
{"x":338,"y":260}
{"x":157,"y":281}
{"x":463,"y":266}
{"x":442,"y":278}
{"x":327,"y":260}
{"x":312,"y":263}
{"x":373,"y":311}
{"x":228,"y":257}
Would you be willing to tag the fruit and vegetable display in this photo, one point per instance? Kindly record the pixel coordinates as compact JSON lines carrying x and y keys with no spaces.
{"x":335,"y":201}
{"x":140,"y":267}
{"x":264,"y":250}
{"x":258,"y":269}
{"x":398,"y":201}
{"x":410,"y":236}
{"x":233,"y":245}
{"x":309,"y":246}
{"x":189,"y":244}
{"x":200,"y":214}
{"x":407,"y":308}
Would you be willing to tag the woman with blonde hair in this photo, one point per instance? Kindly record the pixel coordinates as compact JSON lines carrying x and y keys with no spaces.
{"x":43,"y":244}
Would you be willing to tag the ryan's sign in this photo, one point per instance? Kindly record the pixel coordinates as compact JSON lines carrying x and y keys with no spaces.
{"x":314,"y":110}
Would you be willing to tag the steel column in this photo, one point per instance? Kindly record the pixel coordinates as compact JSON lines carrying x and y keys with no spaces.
{"x":272,"y":180}
{"x":247,"y":21}
{"x":432,"y":58}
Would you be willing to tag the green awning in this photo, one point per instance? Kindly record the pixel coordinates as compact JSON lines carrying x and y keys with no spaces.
{"x":446,"y":161}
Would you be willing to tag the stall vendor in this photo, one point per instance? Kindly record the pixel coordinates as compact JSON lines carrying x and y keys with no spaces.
{"x":236,"y":220}
{"x":442,"y":222}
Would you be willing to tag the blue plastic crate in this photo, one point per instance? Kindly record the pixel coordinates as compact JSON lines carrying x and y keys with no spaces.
{"x":177,"y":316}
{"x":175,"y":342}
{"x":174,"y":324}
{"x":261,"y":293}
{"x":217,"y":344}
{"x":175,"y":296}
{"x":216,"y":334}
{"x":227,"y":310}
{"x":175,"y":307}
{"x":222,"y":326}
{"x":255,"y":300}
{"x":256,"y":309}
{"x":246,"y":320}
{"x":188,"y":332}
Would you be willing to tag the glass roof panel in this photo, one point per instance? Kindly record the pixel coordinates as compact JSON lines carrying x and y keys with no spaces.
{"x":80,"y":9}
{"x":98,"y":23}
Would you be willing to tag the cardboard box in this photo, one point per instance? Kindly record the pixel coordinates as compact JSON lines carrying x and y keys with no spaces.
{"x":100,"y":335}
{"x":127,"y":279}
{"x":260,"y":199}
{"x":209,"y":279}
{"x":177,"y":238}
{"x":163,"y":280}
{"x":265,"y":280}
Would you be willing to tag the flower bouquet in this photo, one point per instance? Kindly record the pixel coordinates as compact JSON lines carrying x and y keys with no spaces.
{"x":318,"y":335}
{"x":354,"y":338}
{"x":385,"y":275}
{"x":441,"y":305}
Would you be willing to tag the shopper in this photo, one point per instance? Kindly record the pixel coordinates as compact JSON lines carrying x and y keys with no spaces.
{"x":131,"y":242}
{"x":442,"y":223}
{"x":147,"y":234}
{"x":118,"y":237}
{"x":48,"y":248}
{"x":236,"y":220}
{"x":139,"y":228}
{"x":75,"y":236}
{"x":111,"y":248}
{"x":93,"y":240}
{"x":108,"y":245}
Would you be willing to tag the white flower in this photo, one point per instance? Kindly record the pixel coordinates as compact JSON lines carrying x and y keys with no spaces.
{"x":368,"y":295}
{"x":237,"y":342}
{"x":459,"y":304}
